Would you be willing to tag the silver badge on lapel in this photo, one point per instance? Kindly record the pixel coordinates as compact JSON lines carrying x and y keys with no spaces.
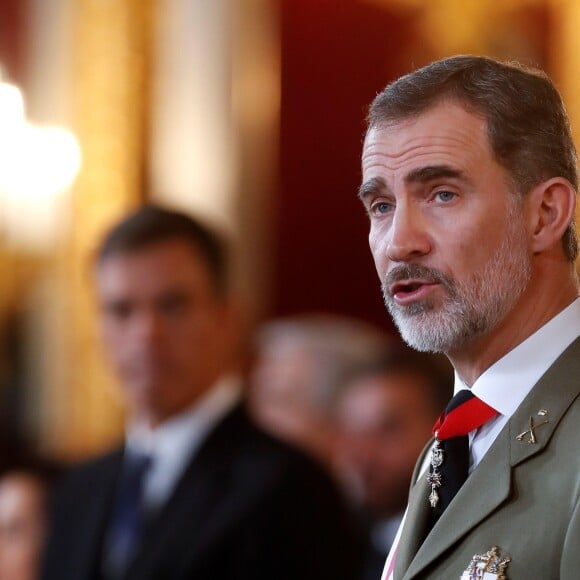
{"x":488,"y":566}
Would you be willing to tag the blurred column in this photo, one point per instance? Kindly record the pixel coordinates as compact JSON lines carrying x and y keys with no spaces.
{"x":565,"y":57}
{"x":36,"y":174}
{"x":566,"y":64}
{"x":256,"y":96}
{"x":215,"y":122}
{"x":110,"y":42}
{"x":192,"y":150}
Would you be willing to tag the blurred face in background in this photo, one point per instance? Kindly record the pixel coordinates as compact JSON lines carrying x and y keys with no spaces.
{"x":384,"y":420}
{"x":166,"y":330}
{"x":22,"y":526}
{"x":285,"y":396}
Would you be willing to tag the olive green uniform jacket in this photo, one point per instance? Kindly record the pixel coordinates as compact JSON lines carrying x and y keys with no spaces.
{"x":523,"y":497}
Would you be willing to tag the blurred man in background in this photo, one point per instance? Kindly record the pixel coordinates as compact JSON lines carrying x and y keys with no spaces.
{"x":196,"y":491}
{"x":384,"y":414}
{"x":300,"y":364}
{"x":24,"y":489}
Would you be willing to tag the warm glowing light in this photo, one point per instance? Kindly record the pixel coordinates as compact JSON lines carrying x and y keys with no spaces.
{"x":11,"y":106}
{"x":34,"y":161}
{"x":36,"y":164}
{"x":37,"y":161}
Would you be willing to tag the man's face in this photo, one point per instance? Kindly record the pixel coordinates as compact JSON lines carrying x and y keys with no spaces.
{"x":447,"y":231}
{"x":165,"y":330}
{"x":385,"y":420}
{"x":22,"y":526}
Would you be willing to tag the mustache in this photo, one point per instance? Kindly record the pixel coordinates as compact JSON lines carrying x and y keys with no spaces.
{"x":409,"y":271}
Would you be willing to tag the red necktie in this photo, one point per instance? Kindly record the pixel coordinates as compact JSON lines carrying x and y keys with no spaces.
{"x":450,"y":455}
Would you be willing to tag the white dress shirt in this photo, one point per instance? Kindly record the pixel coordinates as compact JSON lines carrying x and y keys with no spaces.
{"x":173,"y":443}
{"x":506,"y":383}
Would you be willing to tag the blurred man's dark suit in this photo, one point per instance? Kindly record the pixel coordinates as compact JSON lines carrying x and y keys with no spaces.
{"x":247,"y":508}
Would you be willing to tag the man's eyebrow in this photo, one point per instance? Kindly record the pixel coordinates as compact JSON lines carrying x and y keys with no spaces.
{"x":431,"y":172}
{"x":377,"y":185}
{"x":371,"y":187}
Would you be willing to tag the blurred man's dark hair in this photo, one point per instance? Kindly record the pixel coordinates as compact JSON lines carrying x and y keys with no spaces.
{"x":434,"y":369}
{"x":152,"y":224}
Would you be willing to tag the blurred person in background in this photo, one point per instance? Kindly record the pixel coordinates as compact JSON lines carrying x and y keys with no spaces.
{"x":24,"y":489}
{"x":300,"y":363}
{"x":196,"y":490}
{"x":12,"y":448}
{"x":384,"y":413}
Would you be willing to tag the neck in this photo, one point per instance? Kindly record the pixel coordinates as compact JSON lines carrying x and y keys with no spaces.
{"x":547,"y":295}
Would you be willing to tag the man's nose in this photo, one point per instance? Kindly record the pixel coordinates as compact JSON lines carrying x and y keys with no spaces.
{"x":147,"y":326}
{"x":409,"y":238}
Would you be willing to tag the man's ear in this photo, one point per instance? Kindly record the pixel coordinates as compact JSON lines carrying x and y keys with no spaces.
{"x":551,"y":206}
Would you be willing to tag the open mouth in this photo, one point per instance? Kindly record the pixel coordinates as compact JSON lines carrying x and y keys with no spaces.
{"x":406,"y":291}
{"x":406,"y":286}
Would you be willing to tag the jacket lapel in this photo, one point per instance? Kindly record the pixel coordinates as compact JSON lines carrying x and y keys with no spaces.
{"x":87,"y":553}
{"x":416,"y":522}
{"x":549,"y":400}
{"x":220,"y":484}
{"x":183,"y":519}
{"x":490,"y":483}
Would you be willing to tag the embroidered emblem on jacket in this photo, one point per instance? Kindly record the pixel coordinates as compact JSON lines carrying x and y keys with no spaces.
{"x":488,"y":566}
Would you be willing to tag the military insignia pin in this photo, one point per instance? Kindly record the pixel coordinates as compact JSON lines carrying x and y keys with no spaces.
{"x":531,"y":431}
{"x":488,"y":566}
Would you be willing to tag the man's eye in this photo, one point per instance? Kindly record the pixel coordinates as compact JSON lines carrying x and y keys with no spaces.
{"x":172,"y":305}
{"x":381,"y":207}
{"x":119,"y":311}
{"x":445,"y":196}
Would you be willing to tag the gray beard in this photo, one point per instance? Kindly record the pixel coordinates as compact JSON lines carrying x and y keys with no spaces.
{"x":470,"y":309}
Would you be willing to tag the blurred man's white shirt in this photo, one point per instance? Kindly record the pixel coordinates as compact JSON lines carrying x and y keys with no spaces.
{"x":172,"y":444}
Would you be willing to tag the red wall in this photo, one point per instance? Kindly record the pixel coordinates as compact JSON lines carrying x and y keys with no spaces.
{"x":12,"y":39}
{"x":335,"y":57}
